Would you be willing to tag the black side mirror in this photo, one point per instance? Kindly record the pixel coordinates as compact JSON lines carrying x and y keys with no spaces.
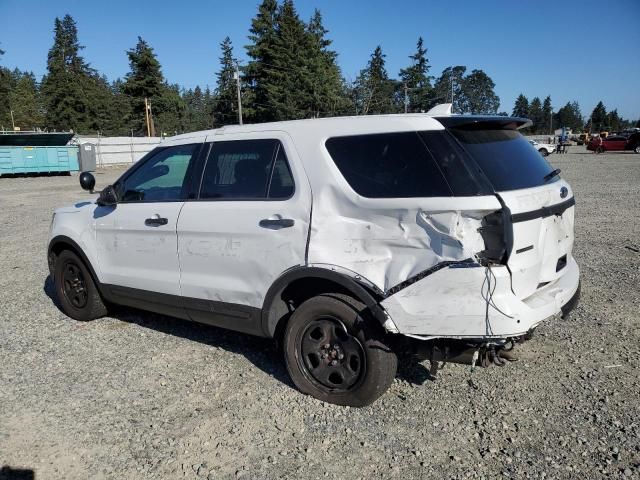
{"x":87,"y":181}
{"x":108,"y":197}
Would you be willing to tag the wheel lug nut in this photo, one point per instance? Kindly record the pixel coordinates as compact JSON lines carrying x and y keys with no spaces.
{"x":340,"y":357}
{"x":326,"y":346}
{"x":334,"y":363}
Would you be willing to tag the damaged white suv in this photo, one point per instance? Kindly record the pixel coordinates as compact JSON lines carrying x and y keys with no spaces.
{"x":349,"y":240}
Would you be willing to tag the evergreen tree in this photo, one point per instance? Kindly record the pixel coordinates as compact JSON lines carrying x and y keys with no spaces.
{"x":65,"y":100}
{"x":24,"y":101}
{"x":261,"y":51}
{"x":417,"y":80}
{"x":521,"y":107}
{"x":196,"y":117}
{"x":614,"y":121}
{"x":536,"y":116}
{"x":289,"y":84}
{"x":328,"y":92}
{"x":145,"y":80}
{"x":7,"y":83}
{"x":479,"y":95}
{"x":569,"y":116}
{"x":449,"y":88}
{"x":226,"y":108}
{"x":598,"y":118}
{"x":373,"y":90}
{"x":547,"y":116}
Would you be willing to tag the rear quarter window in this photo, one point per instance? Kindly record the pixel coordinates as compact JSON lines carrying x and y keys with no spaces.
{"x":388,"y":165}
{"x":508,"y":160}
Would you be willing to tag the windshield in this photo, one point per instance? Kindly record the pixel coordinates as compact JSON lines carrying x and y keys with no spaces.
{"x":508,"y":160}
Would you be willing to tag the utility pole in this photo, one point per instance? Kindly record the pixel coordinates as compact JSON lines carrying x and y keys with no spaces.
{"x":451,"y":78}
{"x":13,"y":124}
{"x":236,"y":75}
{"x":146,"y":116}
{"x":406,"y":98}
{"x":551,"y":122}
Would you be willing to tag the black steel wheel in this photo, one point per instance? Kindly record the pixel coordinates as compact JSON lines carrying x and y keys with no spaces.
{"x":336,"y":352}
{"x":73,"y":285}
{"x":76,"y":291}
{"x":330,"y":355}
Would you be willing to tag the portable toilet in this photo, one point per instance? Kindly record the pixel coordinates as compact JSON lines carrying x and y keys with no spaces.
{"x":37,"y":153}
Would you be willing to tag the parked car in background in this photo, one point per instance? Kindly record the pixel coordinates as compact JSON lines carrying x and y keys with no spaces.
{"x":615,"y":143}
{"x":544,"y":148}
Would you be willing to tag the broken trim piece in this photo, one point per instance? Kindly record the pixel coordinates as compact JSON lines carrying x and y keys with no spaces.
{"x":544,"y":212}
{"x":466,"y":263}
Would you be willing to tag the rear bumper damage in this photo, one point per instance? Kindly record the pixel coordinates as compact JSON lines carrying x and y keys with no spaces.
{"x":476,"y":302}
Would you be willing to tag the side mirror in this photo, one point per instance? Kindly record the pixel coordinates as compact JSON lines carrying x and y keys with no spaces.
{"x":108,"y":197}
{"x":87,"y":181}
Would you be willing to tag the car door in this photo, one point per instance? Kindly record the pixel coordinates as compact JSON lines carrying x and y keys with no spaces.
{"x":249,"y":224}
{"x":136,"y":238}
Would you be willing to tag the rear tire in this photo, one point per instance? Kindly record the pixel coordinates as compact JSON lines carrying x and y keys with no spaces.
{"x":600,"y":150}
{"x":336,"y":353}
{"x":637,"y":149}
{"x":76,"y":291}
{"x":543,"y":152}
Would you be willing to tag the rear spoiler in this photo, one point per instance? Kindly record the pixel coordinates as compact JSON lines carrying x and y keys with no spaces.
{"x":484,"y":122}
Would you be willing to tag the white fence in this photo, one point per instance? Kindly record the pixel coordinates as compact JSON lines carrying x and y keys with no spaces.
{"x":120,"y":150}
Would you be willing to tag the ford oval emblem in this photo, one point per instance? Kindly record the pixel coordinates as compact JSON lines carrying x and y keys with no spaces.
{"x":564,"y":191}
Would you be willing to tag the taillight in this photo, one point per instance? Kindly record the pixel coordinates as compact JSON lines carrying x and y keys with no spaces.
{"x":497,"y":238}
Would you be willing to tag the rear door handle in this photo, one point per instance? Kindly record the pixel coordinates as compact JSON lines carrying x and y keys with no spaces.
{"x":156,"y":221}
{"x":276,"y":223}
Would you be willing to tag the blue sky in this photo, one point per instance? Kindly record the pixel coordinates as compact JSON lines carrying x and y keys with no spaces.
{"x":572,"y":50}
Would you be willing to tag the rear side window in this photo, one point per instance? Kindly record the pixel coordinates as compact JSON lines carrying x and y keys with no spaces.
{"x":247,"y":169}
{"x":388,"y":165}
{"x":508,"y":160}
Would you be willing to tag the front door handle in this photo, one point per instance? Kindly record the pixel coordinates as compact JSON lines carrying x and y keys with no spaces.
{"x":156,"y":221}
{"x":276,"y":223}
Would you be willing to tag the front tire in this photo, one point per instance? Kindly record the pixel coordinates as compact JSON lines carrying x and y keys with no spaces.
{"x":543,"y":152}
{"x":600,"y":150}
{"x":336,"y":353}
{"x":76,"y":291}
{"x":637,"y":149}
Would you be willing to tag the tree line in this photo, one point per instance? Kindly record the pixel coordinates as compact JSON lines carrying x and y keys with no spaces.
{"x":545,"y":121}
{"x":291,"y":73}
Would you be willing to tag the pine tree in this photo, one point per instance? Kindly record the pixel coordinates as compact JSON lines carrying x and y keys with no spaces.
{"x":536,"y":116}
{"x":261,"y":51}
{"x":145,"y":80}
{"x":65,"y":100}
{"x":373,"y":90}
{"x":289,"y":84}
{"x":479,"y":94}
{"x":417,"y":81}
{"x":24,"y":101}
{"x":547,"y":117}
{"x":599,"y":118}
{"x":226,"y":108}
{"x":449,"y":88}
{"x":7,"y":83}
{"x":614,"y":121}
{"x":521,"y":107}
{"x":328,"y":92}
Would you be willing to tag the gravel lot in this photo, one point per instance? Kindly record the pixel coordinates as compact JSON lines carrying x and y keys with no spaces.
{"x":140,"y":395}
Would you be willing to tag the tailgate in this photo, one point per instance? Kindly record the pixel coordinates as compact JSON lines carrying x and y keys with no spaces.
{"x":542,"y":219}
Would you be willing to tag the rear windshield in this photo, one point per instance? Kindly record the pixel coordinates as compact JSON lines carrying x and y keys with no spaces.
{"x":508,"y":160}
{"x":403,"y":165}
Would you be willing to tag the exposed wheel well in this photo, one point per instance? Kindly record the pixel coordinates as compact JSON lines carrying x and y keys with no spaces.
{"x":287,"y":297}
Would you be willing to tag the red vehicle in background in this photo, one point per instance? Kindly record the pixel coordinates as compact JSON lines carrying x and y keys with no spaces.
{"x":614,"y":143}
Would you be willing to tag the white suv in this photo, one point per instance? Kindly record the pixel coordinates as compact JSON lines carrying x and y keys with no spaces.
{"x":349,"y":240}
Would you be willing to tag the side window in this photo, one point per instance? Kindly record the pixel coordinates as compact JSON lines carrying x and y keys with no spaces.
{"x":243,"y":169}
{"x":388,"y":165}
{"x":162,"y":177}
{"x":281,"y":185}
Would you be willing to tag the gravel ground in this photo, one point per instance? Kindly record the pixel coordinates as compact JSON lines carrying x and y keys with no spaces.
{"x":140,"y":395}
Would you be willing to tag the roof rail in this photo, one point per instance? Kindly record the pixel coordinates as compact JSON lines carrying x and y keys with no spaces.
{"x":441,"y":109}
